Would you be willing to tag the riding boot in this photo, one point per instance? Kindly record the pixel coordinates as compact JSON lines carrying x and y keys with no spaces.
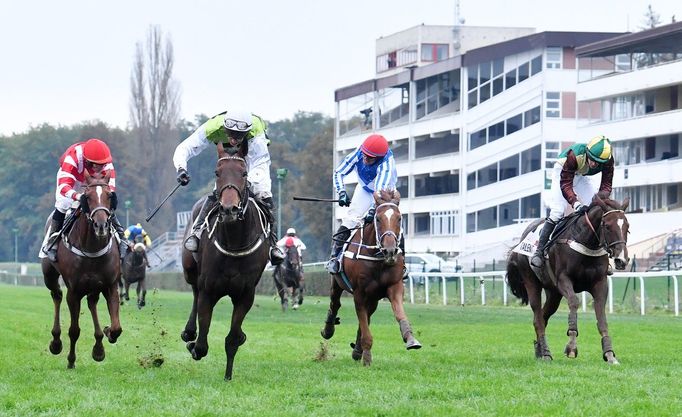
{"x":123,"y":242}
{"x":192,"y":241}
{"x":338,"y":240}
{"x":53,"y":234}
{"x":276,"y":255}
{"x":401,"y":246}
{"x":538,"y":258}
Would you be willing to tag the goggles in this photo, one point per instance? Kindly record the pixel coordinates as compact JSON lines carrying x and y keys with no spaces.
{"x":237,"y":124}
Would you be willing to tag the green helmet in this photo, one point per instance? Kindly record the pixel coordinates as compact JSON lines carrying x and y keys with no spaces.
{"x":599,"y":149}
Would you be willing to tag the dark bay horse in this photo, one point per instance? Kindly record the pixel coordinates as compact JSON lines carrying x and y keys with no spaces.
{"x":287,"y":278}
{"x":374,"y":272}
{"x":88,"y":261}
{"x":134,"y":270}
{"x":577,"y":261}
{"x":232,"y":255}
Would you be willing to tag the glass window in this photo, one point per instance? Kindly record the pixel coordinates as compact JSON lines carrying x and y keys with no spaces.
{"x":403,"y":187}
{"x":437,"y":143}
{"x":394,"y":105}
{"x":484,"y":72}
{"x":509,"y":212}
{"x":530,"y":207}
{"x":531,"y":117}
{"x":436,"y":183}
{"x":471,"y":181}
{"x":487,"y":218}
{"x":523,"y":72}
{"x":498,"y":67}
{"x":510,"y":78}
{"x":427,"y":52}
{"x":509,"y":167}
{"x":553,"y":57}
{"x":495,"y":131}
{"x":536,"y":65}
{"x":514,"y":124}
{"x":471,"y":222}
{"x":477,"y":139}
{"x":472,"y":74}
{"x":352,"y":114}
{"x":484,"y":92}
{"x":530,"y":159}
{"x":442,"y":52}
{"x":498,"y":85}
{"x":487,"y":175}
{"x":473,"y":98}
{"x":552,"y":104}
{"x":422,"y":223}
{"x":400,"y":149}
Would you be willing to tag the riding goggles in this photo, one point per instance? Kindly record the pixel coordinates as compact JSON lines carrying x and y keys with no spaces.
{"x":237,"y":124}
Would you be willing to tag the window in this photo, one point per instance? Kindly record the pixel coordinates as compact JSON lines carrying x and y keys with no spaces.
{"x":510,"y":78}
{"x":530,"y":207}
{"x":487,"y":218}
{"x":553,"y":55}
{"x":495,"y":131}
{"x":471,"y":222}
{"x":434,"y":52}
{"x":421,"y":223}
{"x":477,"y":139}
{"x":403,"y":187}
{"x":437,"y":143}
{"x":530,"y":159}
{"x":649,"y":148}
{"x":509,"y":167}
{"x":400,"y":149}
{"x":444,"y":223}
{"x":487,"y":175}
{"x":552,"y":150}
{"x":471,"y":181}
{"x":623,"y":63}
{"x":514,"y":124}
{"x":531,"y":117}
{"x":436,"y":183}
{"x":523,"y":72}
{"x":509,"y":212}
{"x":552,"y":104}
{"x":536,"y":65}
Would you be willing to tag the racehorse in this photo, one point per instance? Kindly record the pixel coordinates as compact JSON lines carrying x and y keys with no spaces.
{"x":577,"y":261}
{"x":287,"y":277}
{"x":232,"y":255}
{"x":373,"y":266}
{"x":88,"y":261}
{"x":134,"y":270}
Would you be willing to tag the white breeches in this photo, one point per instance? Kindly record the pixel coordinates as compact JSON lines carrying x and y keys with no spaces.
{"x":585,"y":187}
{"x":258,"y":166}
{"x":360,"y":203}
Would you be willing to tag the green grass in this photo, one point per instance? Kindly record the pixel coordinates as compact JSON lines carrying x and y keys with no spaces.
{"x":475,"y":361}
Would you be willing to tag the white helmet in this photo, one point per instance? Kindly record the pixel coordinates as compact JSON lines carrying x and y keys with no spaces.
{"x":291,"y":231}
{"x":238,"y":120}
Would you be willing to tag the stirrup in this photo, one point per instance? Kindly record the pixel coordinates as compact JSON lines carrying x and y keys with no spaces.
{"x":333,"y":265}
{"x":276,"y":256}
{"x":192,"y":243}
{"x":534,"y":257}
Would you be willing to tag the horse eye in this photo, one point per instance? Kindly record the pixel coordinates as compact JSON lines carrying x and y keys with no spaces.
{"x":216,"y":173}
{"x":245,"y":174}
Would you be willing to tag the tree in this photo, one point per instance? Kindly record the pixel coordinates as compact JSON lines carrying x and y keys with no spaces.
{"x":651,"y":19}
{"x":154,"y":120}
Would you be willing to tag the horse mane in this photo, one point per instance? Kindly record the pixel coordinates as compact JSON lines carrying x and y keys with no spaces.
{"x":387,"y":196}
{"x":603,"y":198}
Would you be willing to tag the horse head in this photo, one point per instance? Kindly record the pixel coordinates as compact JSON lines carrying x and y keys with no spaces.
{"x":387,"y":223}
{"x":292,"y":257}
{"x":98,"y":209}
{"x":613,"y":234}
{"x":231,"y":181}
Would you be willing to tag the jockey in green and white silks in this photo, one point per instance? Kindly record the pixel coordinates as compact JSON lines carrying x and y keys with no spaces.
{"x":231,"y":128}
{"x":573,"y":183}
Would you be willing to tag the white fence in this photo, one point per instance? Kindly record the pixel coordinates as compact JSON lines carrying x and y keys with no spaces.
{"x":459,"y":277}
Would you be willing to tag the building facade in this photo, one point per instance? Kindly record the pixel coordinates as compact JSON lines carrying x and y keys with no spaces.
{"x":476,"y":124}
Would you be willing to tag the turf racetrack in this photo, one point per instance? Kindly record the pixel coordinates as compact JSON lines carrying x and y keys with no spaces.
{"x":475,"y":361}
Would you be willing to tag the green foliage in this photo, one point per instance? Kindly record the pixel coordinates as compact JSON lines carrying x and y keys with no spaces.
{"x":475,"y":361}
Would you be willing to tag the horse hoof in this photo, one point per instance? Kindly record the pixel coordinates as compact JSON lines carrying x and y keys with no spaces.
{"x":327,"y":332}
{"x":188,"y":336}
{"x":571,"y":352}
{"x":547,"y":358}
{"x":610,"y":358}
{"x":366,"y":358}
{"x":191,"y":347}
{"x":111,"y":335}
{"x":357,"y":353}
{"x":413,"y":344}
{"x":98,"y":354}
{"x":70,"y":365}
{"x":56,"y":347}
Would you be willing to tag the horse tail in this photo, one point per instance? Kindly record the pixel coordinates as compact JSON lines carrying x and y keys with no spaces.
{"x":515,"y":279}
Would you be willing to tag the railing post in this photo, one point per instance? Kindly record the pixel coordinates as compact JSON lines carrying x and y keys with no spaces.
{"x":504,"y":291}
{"x":482,"y":283}
{"x":426,"y":289}
{"x":445,"y":295}
{"x":676,"y":296}
{"x":642,"y":306}
{"x":461,"y":289}
{"x":610,"y":284}
{"x":411,"y":289}
{"x":584,"y":301}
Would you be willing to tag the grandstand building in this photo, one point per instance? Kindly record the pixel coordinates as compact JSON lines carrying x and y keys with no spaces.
{"x":476,"y":117}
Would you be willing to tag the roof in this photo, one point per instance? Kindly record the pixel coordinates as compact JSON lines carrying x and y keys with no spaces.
{"x":663,"y":39}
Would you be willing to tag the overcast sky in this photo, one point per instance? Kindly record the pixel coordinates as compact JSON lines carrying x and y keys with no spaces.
{"x":68,"y":61}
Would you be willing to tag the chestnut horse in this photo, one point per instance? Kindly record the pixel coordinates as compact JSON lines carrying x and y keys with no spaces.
{"x":287,"y":278}
{"x":374,"y":266}
{"x":232,"y":255}
{"x":88,"y":261}
{"x":577,"y":261}
{"x":135,"y":266}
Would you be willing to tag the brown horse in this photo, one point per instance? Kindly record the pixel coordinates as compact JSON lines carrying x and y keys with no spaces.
{"x":287,"y":278}
{"x":88,"y":261}
{"x":374,"y":271}
{"x":577,"y":261}
{"x":232,"y":255}
{"x":134,"y":270}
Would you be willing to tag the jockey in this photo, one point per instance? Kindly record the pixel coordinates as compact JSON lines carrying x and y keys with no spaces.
{"x":375,"y":167}
{"x":94,"y":156}
{"x":135,"y":230}
{"x":571,"y":184}
{"x":231,"y":128}
{"x":291,"y":234}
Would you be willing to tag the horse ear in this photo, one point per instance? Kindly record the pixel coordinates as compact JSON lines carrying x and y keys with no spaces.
{"x":396,"y":197}
{"x":596,"y":200}
{"x":626,"y":203}
{"x":221,"y":150}
{"x":244,"y":148}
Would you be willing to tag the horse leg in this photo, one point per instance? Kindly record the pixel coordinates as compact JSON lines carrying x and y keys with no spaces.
{"x":566,"y":288}
{"x":364,"y":309}
{"x":534,"y":290}
{"x":551,"y":304}
{"x":294,"y":297}
{"x":395,"y":296}
{"x":205,"y":304}
{"x":236,"y":336}
{"x":121,"y":291}
{"x":599,"y":294}
{"x":190,"y":332}
{"x":98,"y":348}
{"x":334,"y":305}
{"x":301,"y":289}
{"x":141,"y":288}
{"x":113,"y":331}
{"x":127,"y":293}
{"x":74,"y":303}
{"x":51,"y":278}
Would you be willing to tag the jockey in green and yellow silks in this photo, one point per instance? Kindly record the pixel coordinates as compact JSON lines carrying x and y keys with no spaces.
{"x":572,"y":183}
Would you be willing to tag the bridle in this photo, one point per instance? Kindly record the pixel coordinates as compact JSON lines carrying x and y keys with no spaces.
{"x":380,"y":238}
{"x":601,"y":235}
{"x":91,"y":212}
{"x":241,"y":193}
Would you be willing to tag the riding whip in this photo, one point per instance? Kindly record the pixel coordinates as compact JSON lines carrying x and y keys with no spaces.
{"x":161,"y":204}
{"x":323,"y":200}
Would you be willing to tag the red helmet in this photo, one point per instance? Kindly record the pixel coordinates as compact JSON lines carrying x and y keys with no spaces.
{"x":96,"y":151}
{"x":289,"y":242}
{"x":374,"y":146}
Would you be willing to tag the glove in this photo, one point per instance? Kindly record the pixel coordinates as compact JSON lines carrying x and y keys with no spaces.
{"x":369,"y":217}
{"x":344,"y":201}
{"x":83,"y":199}
{"x":183,"y":177}
{"x":579,"y":207}
{"x":113,"y":201}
